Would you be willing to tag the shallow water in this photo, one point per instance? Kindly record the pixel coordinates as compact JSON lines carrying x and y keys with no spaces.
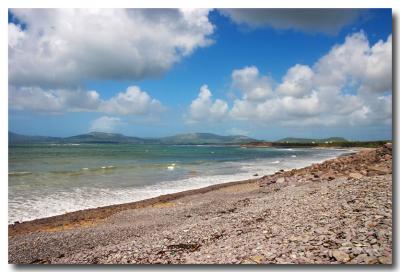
{"x":51,"y":179}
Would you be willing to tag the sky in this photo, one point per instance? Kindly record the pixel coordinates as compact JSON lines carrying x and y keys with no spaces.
{"x":263,"y":73}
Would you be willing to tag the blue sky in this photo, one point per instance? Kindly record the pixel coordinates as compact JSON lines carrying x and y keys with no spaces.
{"x":259,"y":101}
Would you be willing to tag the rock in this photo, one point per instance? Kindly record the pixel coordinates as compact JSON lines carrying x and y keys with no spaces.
{"x":379,"y":170}
{"x":385,"y":260}
{"x":357,"y":250}
{"x":371,"y":260}
{"x":388,"y":146}
{"x":355,"y":175}
{"x":360,"y":259}
{"x":387,"y":157}
{"x":341,"y":256}
{"x":280,"y":180}
{"x":305,"y":239}
{"x":257,"y":259}
{"x":382,"y":234}
{"x":345,"y":249}
{"x":347,"y":244}
{"x":255,"y":175}
{"x":370,"y":224}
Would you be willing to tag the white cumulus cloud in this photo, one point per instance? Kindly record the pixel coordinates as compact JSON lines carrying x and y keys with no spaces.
{"x":105,"y":124}
{"x":63,"y":47}
{"x":369,"y":66}
{"x":297,"y":82}
{"x":53,"y":100}
{"x":133,"y":101}
{"x":204,"y":108}
{"x":350,"y":85}
{"x":251,"y":83}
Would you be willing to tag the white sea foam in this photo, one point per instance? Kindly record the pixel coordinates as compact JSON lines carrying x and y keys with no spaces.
{"x":70,"y":144}
{"x":86,"y":197}
{"x":108,"y":167}
{"x":21,"y":173}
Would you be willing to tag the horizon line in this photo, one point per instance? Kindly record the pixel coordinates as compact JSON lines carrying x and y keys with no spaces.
{"x":229,"y":135}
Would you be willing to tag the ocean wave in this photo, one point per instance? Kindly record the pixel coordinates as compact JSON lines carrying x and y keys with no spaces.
{"x":84,"y":170}
{"x":108,"y":167}
{"x":171,"y":166}
{"x":70,"y":144}
{"x":21,"y":173}
{"x":86,"y":197}
{"x":61,"y":174}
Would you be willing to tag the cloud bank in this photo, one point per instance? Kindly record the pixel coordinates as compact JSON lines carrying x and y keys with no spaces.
{"x":133,"y":101}
{"x":327,"y":21}
{"x":349,"y":86}
{"x":54,"y":51}
{"x":64,"y":47}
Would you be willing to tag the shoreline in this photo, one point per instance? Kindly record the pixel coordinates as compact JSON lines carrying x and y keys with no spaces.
{"x":337,"y":211}
{"x":41,"y":213}
{"x":90,"y":216}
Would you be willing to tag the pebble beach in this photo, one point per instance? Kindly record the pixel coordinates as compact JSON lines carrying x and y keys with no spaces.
{"x":335,"y":212}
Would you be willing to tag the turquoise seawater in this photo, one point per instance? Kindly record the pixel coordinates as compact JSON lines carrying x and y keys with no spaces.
{"x":51,"y":179}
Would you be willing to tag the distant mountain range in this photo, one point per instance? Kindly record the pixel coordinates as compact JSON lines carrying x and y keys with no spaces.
{"x":102,"y":137}
{"x":188,"y":138}
{"x":205,"y":138}
{"x":314,"y":141}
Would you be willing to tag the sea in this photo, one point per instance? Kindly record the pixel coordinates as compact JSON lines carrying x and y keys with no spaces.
{"x":51,"y":179}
